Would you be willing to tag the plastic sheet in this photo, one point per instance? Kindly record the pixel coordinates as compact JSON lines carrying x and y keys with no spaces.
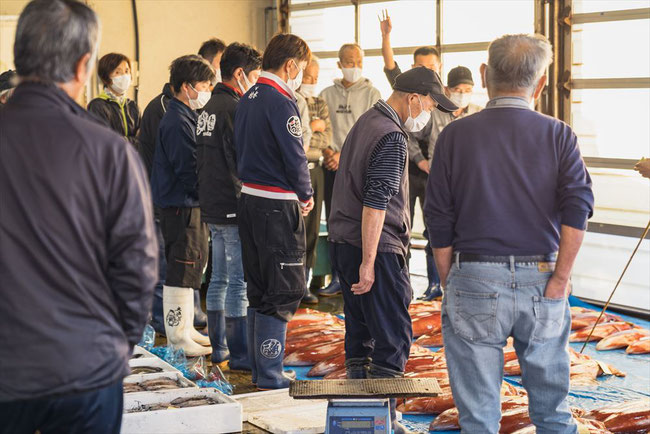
{"x":148,"y":338}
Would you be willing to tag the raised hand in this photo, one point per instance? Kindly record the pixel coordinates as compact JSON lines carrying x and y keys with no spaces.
{"x":384,"y":23}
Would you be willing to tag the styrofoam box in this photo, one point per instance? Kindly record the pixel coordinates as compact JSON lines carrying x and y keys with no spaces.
{"x":138,"y":378}
{"x":139,"y":350}
{"x":154,"y":363}
{"x":224,"y":417}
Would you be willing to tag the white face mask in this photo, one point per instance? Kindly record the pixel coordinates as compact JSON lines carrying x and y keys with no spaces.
{"x":247,"y":84}
{"x":352,"y":75}
{"x":308,"y":90}
{"x":217,"y":73}
{"x":121,"y":83}
{"x":294,"y":83}
{"x":414,"y":125}
{"x":200,"y":101}
{"x":460,"y":99}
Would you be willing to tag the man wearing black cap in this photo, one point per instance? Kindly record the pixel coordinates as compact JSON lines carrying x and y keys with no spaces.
{"x":8,"y":82}
{"x":370,"y":226}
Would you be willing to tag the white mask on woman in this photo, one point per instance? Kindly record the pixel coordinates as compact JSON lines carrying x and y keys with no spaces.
{"x":121,"y":83}
{"x":413,"y":125}
{"x":200,"y":101}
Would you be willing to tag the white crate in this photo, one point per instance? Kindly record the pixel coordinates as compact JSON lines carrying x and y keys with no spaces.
{"x":138,"y":378}
{"x":143,"y":354}
{"x":224,"y":417}
{"x":154,"y":362}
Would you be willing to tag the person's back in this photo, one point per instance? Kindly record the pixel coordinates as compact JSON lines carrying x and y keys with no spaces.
{"x":504,"y":166}
{"x":151,"y":117}
{"x":78,"y":252}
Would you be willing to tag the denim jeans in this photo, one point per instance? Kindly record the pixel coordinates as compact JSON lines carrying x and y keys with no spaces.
{"x":484,"y":304}
{"x":227,"y":290}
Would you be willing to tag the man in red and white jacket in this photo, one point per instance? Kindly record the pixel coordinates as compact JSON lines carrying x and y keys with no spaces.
{"x":276,"y":193}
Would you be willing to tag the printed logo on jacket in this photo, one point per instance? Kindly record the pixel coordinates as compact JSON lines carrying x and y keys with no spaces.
{"x":205,"y":124}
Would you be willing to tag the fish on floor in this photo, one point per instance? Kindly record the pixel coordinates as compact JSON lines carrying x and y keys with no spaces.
{"x":622,"y":339}
{"x":642,"y":346}
{"x":431,"y":339}
{"x":308,"y":356}
{"x":425,"y":323}
{"x":589,"y":318}
{"x":601,"y":331}
{"x":626,"y":417}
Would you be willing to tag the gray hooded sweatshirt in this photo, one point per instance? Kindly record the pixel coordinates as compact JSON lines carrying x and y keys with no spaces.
{"x":347,"y":105}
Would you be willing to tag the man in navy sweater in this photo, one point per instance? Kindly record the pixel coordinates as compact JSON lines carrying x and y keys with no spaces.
{"x":507,"y":204}
{"x":276,"y":193}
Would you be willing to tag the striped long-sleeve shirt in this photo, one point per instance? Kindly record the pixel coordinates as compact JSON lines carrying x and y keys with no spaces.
{"x":385,"y":170}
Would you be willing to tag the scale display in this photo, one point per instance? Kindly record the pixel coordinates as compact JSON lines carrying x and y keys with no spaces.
{"x":357,"y":425}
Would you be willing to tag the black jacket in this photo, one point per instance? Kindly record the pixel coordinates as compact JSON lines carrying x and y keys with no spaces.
{"x":78,"y":251}
{"x":219,"y":185}
{"x":124,"y":119}
{"x":151,"y":117}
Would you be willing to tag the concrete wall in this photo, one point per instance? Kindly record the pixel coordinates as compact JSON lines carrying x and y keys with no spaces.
{"x":168,"y":29}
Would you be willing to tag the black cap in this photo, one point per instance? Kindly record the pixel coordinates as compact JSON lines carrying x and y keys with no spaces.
{"x":8,"y":80}
{"x":425,"y":82}
{"x":459,"y":75}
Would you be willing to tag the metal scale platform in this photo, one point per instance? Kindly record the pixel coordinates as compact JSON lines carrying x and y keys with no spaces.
{"x":361,"y":406}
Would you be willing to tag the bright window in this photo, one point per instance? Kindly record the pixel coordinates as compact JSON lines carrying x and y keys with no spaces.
{"x":586,"y":6}
{"x":612,"y":123}
{"x":597,"y":49}
{"x":480,"y":20}
{"x":414,"y":23}
{"x":316,"y":27}
{"x":622,"y":197}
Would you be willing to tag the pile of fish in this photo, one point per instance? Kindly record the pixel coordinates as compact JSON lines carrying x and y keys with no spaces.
{"x":611,"y":332}
{"x":145,"y":370}
{"x":194,"y":401}
{"x":152,"y":385}
{"x":627,"y":417}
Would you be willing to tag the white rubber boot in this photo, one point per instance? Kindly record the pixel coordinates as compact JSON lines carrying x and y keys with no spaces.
{"x":195,"y":334}
{"x":178,"y":309}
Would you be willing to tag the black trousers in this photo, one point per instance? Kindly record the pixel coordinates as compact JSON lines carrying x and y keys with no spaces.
{"x":272,"y":235}
{"x":186,"y":246}
{"x":377,"y":323}
{"x":312,"y":221}
{"x":94,"y":412}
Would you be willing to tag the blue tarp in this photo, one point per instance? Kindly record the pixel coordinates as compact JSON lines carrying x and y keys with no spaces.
{"x":609,"y":389}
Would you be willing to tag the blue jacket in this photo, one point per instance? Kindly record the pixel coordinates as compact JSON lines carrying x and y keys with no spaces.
{"x":174,"y":181}
{"x":268,"y":141}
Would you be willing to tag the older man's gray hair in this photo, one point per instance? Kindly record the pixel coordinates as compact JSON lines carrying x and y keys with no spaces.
{"x":517,"y":62}
{"x":51,"y":37}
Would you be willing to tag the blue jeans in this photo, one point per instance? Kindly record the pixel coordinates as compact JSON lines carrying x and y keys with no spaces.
{"x":227,"y":289}
{"x":484,"y":304}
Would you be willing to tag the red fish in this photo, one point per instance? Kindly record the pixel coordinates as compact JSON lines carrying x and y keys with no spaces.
{"x":327,"y":366}
{"x":313,"y":319}
{"x":512,"y":367}
{"x":339,"y":374}
{"x":426,"y":323}
{"x":629,"y":416}
{"x":642,"y":346}
{"x":601,"y":331}
{"x":622,"y":339}
{"x":428,"y":405}
{"x":312,"y":328}
{"x":432,"y":339}
{"x":320,"y":338}
{"x":588,"y":319}
{"x":509,"y":354}
{"x":432,"y":373}
{"x":424,"y":306}
{"x":311,"y":355}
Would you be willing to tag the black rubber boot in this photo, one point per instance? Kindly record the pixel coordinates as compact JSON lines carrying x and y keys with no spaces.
{"x":435,"y":292}
{"x":334,"y":288}
{"x":357,"y":368}
{"x":375,"y":371}
{"x":270,"y":336}
{"x":250,"y":341}
{"x":217,"y":335}
{"x":237,"y":343}
{"x":200,"y":318}
{"x":431,"y":272}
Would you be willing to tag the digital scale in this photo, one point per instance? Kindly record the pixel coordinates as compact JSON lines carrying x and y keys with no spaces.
{"x":361,"y":406}
{"x":361,"y":416}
